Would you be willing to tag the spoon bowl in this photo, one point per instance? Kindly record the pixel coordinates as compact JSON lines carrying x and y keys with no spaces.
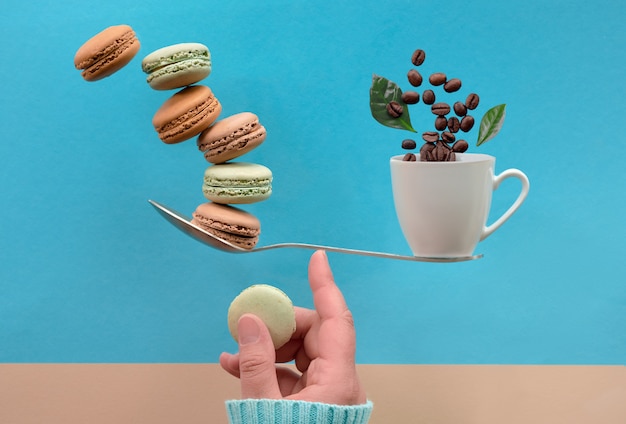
{"x":184,"y":224}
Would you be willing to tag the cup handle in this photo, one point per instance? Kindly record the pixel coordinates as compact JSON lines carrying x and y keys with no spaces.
{"x":515,"y":173}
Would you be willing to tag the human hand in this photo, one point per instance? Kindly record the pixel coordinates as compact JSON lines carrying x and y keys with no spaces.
{"x":323,"y":347}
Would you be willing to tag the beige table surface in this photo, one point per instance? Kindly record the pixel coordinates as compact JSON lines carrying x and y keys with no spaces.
{"x":433,"y":394}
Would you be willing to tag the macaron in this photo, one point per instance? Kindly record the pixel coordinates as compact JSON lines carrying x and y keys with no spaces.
{"x":270,"y":304}
{"x":106,"y":52}
{"x":186,"y":114}
{"x":177,"y":66}
{"x":231,"y":137}
{"x":228,"y":223}
{"x":237,"y":182}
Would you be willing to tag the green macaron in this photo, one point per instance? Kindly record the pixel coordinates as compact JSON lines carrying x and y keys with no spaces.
{"x":270,"y":304}
{"x":177,"y":65}
{"x":237,"y":183}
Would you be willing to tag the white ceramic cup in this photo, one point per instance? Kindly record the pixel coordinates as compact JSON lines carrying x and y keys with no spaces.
{"x":443,"y":207}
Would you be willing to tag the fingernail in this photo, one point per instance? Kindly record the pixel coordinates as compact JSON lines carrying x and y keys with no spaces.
{"x":248,"y":329}
{"x":323,"y":254}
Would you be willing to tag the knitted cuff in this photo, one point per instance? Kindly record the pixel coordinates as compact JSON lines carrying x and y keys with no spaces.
{"x":269,"y":411}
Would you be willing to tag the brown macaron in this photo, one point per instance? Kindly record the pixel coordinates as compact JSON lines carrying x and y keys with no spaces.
{"x":228,"y":223}
{"x":186,"y":114}
{"x":106,"y":52}
{"x":231,"y":137}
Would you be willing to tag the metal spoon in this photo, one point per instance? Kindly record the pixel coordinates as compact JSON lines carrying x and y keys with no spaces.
{"x":184,"y":224}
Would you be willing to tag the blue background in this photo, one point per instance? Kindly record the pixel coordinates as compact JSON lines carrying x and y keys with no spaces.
{"x":90,"y":273}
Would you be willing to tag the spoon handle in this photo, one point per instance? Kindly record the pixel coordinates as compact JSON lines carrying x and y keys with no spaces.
{"x":365,"y":252}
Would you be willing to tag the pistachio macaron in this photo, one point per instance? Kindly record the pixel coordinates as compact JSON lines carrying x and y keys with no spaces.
{"x":177,"y":66}
{"x":271,"y":305}
{"x":237,"y":183}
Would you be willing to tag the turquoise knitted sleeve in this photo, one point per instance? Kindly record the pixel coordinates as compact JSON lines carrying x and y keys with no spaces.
{"x":267,"y":411}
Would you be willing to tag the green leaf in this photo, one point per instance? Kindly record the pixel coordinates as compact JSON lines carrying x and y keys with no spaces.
{"x":491,"y":124}
{"x":382,"y":92}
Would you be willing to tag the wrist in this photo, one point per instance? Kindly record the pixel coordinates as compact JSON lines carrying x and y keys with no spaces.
{"x":269,"y":411}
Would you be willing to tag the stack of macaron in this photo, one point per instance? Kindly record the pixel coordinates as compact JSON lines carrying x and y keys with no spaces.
{"x":227,"y":182}
{"x":231,"y":183}
{"x":193,"y":112}
{"x":193,"y":108}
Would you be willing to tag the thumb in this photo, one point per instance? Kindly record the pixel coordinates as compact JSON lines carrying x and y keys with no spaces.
{"x":257,"y":372}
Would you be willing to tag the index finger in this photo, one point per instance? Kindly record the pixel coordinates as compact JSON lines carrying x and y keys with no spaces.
{"x":336,"y":340}
{"x":328,"y":299}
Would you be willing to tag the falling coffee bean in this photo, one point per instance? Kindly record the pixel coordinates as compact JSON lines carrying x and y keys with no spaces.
{"x":472,"y":101}
{"x":467,"y":123}
{"x":440,"y":108}
{"x":452,"y":85}
{"x":418,"y":57}
{"x":454,"y":124}
{"x":460,"y":146}
{"x":410,"y":97}
{"x":394,"y":109}
{"x":409,"y":157}
{"x":428,"y":97}
{"x":441,"y":123}
{"x":430,"y":136}
{"x":448,"y":137}
{"x":415,"y":78}
{"x":460,"y":109}
{"x":409,"y":144}
{"x":438,"y":78}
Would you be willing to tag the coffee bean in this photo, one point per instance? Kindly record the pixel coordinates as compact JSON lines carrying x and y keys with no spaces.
{"x":448,"y":137}
{"x":428,"y":146}
{"x":409,"y":157}
{"x":440,"y":108}
{"x":418,"y":57}
{"x":467,"y":123}
{"x":428,"y":97}
{"x":430,"y":136}
{"x":454,"y":124}
{"x":410,"y":97}
{"x":441,"y":123}
{"x":452,"y":85}
{"x":441,"y":152}
{"x":426,"y":154}
{"x":415,"y":78}
{"x":452,"y":156}
{"x":437,"y":78}
{"x":460,"y":109}
{"x":409,"y":144}
{"x":460,"y":146}
{"x":472,"y":101}
{"x":394,"y":109}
